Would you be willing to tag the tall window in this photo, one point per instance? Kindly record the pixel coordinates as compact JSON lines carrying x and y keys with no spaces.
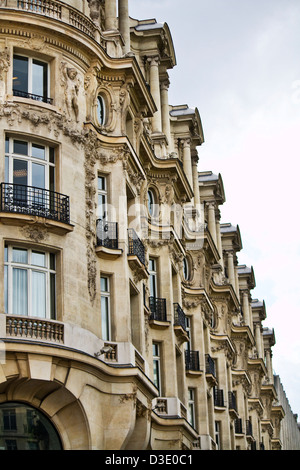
{"x":105,"y":308}
{"x":102,"y":198}
{"x":31,"y":78}
{"x":156,"y":366}
{"x":29,"y":163}
{"x":191,"y":406}
{"x":152,"y":277}
{"x":29,"y":280}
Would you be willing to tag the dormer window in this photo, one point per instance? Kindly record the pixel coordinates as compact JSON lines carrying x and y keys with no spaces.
{"x":31,"y":78}
{"x":100,"y":110}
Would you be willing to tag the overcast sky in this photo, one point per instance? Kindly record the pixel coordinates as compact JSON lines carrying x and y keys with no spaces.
{"x":238,"y":62}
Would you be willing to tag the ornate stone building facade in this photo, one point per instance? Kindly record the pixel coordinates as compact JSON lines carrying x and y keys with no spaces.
{"x":126,"y":320}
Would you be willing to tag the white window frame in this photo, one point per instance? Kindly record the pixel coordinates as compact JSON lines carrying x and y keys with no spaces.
{"x":106,"y":335}
{"x":191,"y":407}
{"x":103,"y":193}
{"x":153,"y":275}
{"x":30,"y":63}
{"x":157,"y":361}
{"x":11,"y":156}
{"x":10,"y":265}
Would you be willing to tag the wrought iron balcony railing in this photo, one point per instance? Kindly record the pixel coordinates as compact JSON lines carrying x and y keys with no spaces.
{"x":107,"y":234}
{"x":158,"y":309}
{"x":179,"y":316}
{"x":192,"y":360}
{"x":238,"y":426}
{"x":30,"y":200}
{"x":248,"y":428}
{"x":210,"y":367}
{"x":25,"y":94}
{"x":136,"y":246}
{"x":232,"y":401}
{"x":218,"y":397}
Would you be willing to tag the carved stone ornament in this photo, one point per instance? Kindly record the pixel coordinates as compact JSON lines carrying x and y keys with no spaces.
{"x":35,"y":232}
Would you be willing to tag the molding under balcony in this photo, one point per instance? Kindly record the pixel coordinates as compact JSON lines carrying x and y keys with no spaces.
{"x":35,"y":222}
{"x":108,"y":253}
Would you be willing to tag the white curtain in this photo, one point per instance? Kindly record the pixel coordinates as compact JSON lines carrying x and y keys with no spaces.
{"x":38,"y":294}
{"x":20,"y":292}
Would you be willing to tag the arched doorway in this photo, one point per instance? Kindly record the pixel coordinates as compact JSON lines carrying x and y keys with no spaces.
{"x":23,"y":427}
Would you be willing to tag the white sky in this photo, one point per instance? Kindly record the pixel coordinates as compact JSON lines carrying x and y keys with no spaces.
{"x":241,"y":61}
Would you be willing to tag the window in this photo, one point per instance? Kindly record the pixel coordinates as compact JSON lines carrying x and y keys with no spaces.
{"x":186,"y":269}
{"x":151,"y":203}
{"x":152,"y":278}
{"x":27,"y":427}
{"x":102,"y":198}
{"x":31,"y":78}
{"x":218,"y":434}
{"x":29,"y":282}
{"x":105,"y":308}
{"x":29,"y":163}
{"x":156,"y":366}
{"x":191,"y":406}
{"x":100,"y":110}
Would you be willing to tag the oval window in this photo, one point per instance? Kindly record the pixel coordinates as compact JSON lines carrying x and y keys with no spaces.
{"x":186,"y":269}
{"x":100,"y":110}
{"x":26,"y":428}
{"x":151,"y":202}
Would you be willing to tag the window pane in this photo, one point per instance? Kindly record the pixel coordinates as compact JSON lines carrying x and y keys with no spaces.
{"x":39,"y":78}
{"x":6,"y":170}
{"x":6,"y":145}
{"x":105,"y":317}
{"x":38,"y":294}
{"x":38,"y":151}
{"x":20,"y":172}
{"x":51,"y":155}
{"x":20,"y":147}
{"x":52,"y":297}
{"x":20,"y":299}
{"x":20,"y":74}
{"x":38,"y":175}
{"x":38,"y":259}
{"x":20,"y":256}
{"x":5,"y":289}
{"x":104,"y":284}
{"x":101,"y":183}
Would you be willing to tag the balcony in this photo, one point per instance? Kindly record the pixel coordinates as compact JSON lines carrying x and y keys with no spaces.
{"x":56,"y":10}
{"x":158,"y":310}
{"x":136,"y":255}
{"x":136,"y":246}
{"x":34,"y":329}
{"x":238,"y":428}
{"x":232,"y":404}
{"x":31,"y":96}
{"x":107,"y":245}
{"x":192,"y":363}
{"x":180,"y":323}
{"x":20,"y":201}
{"x":210,"y":370}
{"x":249,"y":428}
{"x":218,"y":397}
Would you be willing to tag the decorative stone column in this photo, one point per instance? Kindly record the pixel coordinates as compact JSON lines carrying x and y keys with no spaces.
{"x":187,"y":160}
{"x":111,"y":15}
{"x":124,"y":26}
{"x":230,"y":268}
{"x":195,"y":160}
{"x":246,"y":313}
{"x":268,"y":353}
{"x":155,"y":91}
{"x":212,"y":222}
{"x":165,"y":112}
{"x":258,"y":339}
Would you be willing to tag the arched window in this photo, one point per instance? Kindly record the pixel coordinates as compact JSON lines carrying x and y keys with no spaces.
{"x":23,"y":427}
{"x":186,"y":269}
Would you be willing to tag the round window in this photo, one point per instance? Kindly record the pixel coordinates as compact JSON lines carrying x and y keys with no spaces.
{"x":100,"y":110}
{"x":26,"y":428}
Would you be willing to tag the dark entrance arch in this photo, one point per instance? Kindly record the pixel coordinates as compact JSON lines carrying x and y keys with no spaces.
{"x":23,"y":427}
